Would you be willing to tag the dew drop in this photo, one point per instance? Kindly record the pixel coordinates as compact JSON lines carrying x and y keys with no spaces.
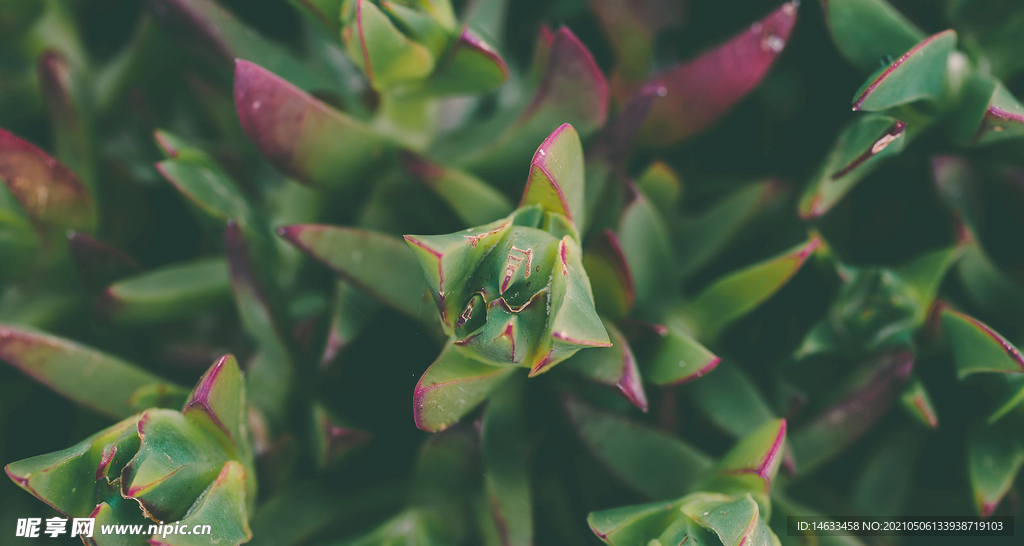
{"x":256,"y":105}
{"x":756,"y":28}
{"x":682,"y":363}
{"x":773,"y":42}
{"x":997,"y":128}
{"x":662,"y":91}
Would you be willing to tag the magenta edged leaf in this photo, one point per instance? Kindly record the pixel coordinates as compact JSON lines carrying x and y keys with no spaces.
{"x":300,"y":135}
{"x":166,"y":294}
{"x":978,"y":348}
{"x":737,"y":522}
{"x":471,"y":198}
{"x":98,"y":263}
{"x":64,"y":91}
{"x":49,"y":192}
{"x":630,"y":525}
{"x":647,"y":246}
{"x":472,"y":66}
{"x":868,"y":31}
{"x":679,"y":359}
{"x":759,"y":453}
{"x":453,"y":386}
{"x":98,"y":381}
{"x":730,"y":400}
{"x":858,"y":150}
{"x":224,"y":502}
{"x":840,"y":425}
{"x":380,"y":264}
{"x":995,"y":455}
{"x":610,"y":276}
{"x":652,"y":462}
{"x":987,"y":113}
{"x":332,"y":438}
{"x":613,"y":366}
{"x":701,"y":91}
{"x":918,"y":74}
{"x":556,"y":175}
{"x":917,"y":403}
{"x":218,"y":401}
{"x":387,"y":56}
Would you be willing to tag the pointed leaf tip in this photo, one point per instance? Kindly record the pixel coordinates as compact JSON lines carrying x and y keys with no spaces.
{"x":556,"y":175}
{"x":219,"y":398}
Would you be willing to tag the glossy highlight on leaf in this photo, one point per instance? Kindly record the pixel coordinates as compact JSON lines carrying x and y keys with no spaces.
{"x":916,"y":75}
{"x":978,"y":348}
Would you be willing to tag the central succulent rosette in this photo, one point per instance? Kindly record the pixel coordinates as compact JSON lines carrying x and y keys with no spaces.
{"x":514,"y":292}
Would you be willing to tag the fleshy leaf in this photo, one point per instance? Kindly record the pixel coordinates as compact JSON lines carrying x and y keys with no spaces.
{"x":858,"y":150}
{"x":386,"y":56}
{"x":210,"y":190}
{"x":737,"y":522}
{"x":631,"y":525}
{"x":631,"y":27}
{"x":610,"y":276}
{"x":987,"y":285}
{"x":699,"y":92}
{"x":988,"y":113}
{"x":869,"y":31}
{"x":169,"y":293}
{"x":48,"y":191}
{"x":919,"y":74}
{"x":730,"y":399}
{"x":380,"y":264}
{"x":556,"y":175}
{"x":472,"y":66}
{"x":223,"y":502}
{"x":977,"y":347}
{"x":96,"y":380}
{"x":759,"y":452}
{"x":452,"y":387}
{"x":883,"y":486}
{"x":740,"y":292}
{"x":918,"y":404}
{"x":218,"y":401}
{"x":324,"y":11}
{"x":352,"y":311}
{"x":300,"y":135}
{"x":98,"y":263}
{"x":505,"y":464}
{"x":647,"y":246}
{"x":1014,"y":397}
{"x":651,"y":462}
{"x":613,"y":366}
{"x":471,"y":198}
{"x":994,"y":457}
{"x":65,"y":95}
{"x":679,"y":359}
{"x":840,"y":425}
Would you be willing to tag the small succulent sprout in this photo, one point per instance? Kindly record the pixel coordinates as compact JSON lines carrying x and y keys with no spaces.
{"x":514,"y":292}
{"x":418,"y":45}
{"x":161,"y":465}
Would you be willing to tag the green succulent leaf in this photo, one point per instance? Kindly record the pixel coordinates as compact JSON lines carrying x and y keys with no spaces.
{"x":995,"y":455}
{"x":70,"y":115}
{"x":610,"y":276}
{"x":978,"y":348}
{"x":916,"y":401}
{"x":505,"y":461}
{"x":333,"y":439}
{"x":556,"y":175}
{"x":631,"y":525}
{"x":375,"y":45}
{"x":472,"y":66}
{"x":662,"y":185}
{"x":96,"y":380}
{"x":613,"y":367}
{"x":631,"y":27}
{"x":868,"y":31}
{"x":699,"y":92}
{"x":471,"y":198}
{"x":679,"y":359}
{"x":352,"y":312}
{"x":1013,"y":385}
{"x":18,"y":238}
{"x":736,"y":522}
{"x":170,"y":293}
{"x":740,"y":292}
{"x":453,"y":386}
{"x":860,"y":148}
{"x":651,"y":462}
{"x":647,"y":247}
{"x":882,"y":488}
{"x":301,"y":136}
{"x":987,"y":285}
{"x":730,"y":399}
{"x":380,"y":264}
{"x":323,"y":11}
{"x":223,"y":503}
{"x":918,"y":74}
{"x":987,"y":113}
{"x":751,"y":465}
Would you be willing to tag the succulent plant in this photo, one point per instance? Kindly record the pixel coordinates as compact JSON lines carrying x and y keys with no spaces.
{"x":577,"y":247}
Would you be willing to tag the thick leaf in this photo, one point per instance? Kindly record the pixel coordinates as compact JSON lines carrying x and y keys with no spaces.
{"x":651,"y":462}
{"x":702,"y":90}
{"x":919,"y":74}
{"x":18,"y":238}
{"x":205,"y":27}
{"x":646,"y":244}
{"x":987,"y":285}
{"x":352,"y":311}
{"x":556,"y":175}
{"x":324,"y":11}
{"x":1014,"y":397}
{"x":332,"y":438}
{"x":210,"y":190}
{"x":957,"y":183}
{"x":736,"y":522}
{"x":218,"y":404}
{"x":882,"y":488}
{"x":918,"y":404}
{"x":96,"y":380}
{"x":169,"y":293}
{"x":740,"y":292}
{"x":613,"y":366}
{"x":995,"y":455}
{"x":662,"y":185}
{"x":631,"y":27}
{"x":610,"y":276}
{"x":730,"y":399}
{"x":386,"y":56}
{"x":49,"y":192}
{"x":380,"y":264}
{"x":923,"y":275}
{"x":868,"y":32}
{"x":842,"y":424}
{"x":471,"y":67}
{"x":978,"y":348}
{"x":987,"y":113}
{"x":631,"y":525}
{"x":300,"y":135}
{"x":679,"y":359}
{"x":505,"y":453}
{"x":472,"y":199}
{"x":70,"y":114}
{"x":751,"y":465}
{"x":224,"y":503}
{"x":859,"y":149}
{"x":98,"y":263}
{"x":452,"y":387}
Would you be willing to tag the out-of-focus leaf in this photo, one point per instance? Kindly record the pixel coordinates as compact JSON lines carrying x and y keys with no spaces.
{"x":918,"y":404}
{"x":701,"y":91}
{"x":471,"y":198}
{"x":1014,"y":387}
{"x":610,"y":276}
{"x":384,"y":53}
{"x":860,"y":148}
{"x":647,"y":247}
{"x":651,"y":462}
{"x":995,"y":455}
{"x":352,"y":311}
{"x":70,"y":114}
{"x":868,"y":32}
{"x":730,"y":399}
{"x":333,"y":439}
{"x":505,"y":458}
{"x":882,"y":488}
{"x":740,"y":292}
{"x":881,"y":380}
{"x":923,"y":274}
{"x":453,"y":386}
{"x":612,"y":366}
{"x":98,"y":263}
{"x":662,"y":185}
{"x":987,"y":113}
{"x":556,"y":175}
{"x":679,"y":359}
{"x":96,"y":380}
{"x":326,"y":12}
{"x":18,"y":238}
{"x":472,"y":66}
{"x":977,"y":347}
{"x":736,"y":522}
{"x":380,"y":264}
{"x":49,"y":192}
{"x":751,"y":465}
{"x":631,"y":525}
{"x":300,"y":135}
{"x":918,"y":74}
{"x":169,"y":293}
{"x":987,"y":285}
